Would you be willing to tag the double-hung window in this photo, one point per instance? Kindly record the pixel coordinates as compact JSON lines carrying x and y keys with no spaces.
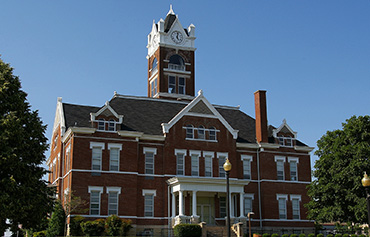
{"x":180,"y":160}
{"x":293,"y":163}
{"x":113,"y":195}
{"x":295,"y":206}
{"x":101,"y":124}
{"x":201,"y":133}
{"x":194,"y":162}
{"x":282,"y":199}
{"x":208,"y":157}
{"x":171,"y":84}
{"x":95,"y":196}
{"x":280,"y":160}
{"x":181,"y":85}
{"x":222,"y":207}
{"x":154,"y":87}
{"x":149,"y":202}
{"x":248,"y":202}
{"x":97,"y":150}
{"x":221,"y":161}
{"x":189,"y":131}
{"x":212,"y":134}
{"x":247,"y":160}
{"x":114,"y":156}
{"x":149,"y":159}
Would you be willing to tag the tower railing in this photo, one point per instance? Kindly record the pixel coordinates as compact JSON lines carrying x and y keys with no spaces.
{"x":176,"y":67}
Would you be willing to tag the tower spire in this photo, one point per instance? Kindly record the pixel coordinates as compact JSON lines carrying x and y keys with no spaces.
{"x":170,"y":12}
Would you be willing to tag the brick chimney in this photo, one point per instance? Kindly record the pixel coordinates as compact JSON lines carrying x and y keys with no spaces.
{"x":261,"y":116}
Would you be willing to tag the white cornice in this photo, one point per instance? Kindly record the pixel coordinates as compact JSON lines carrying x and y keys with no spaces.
{"x":247,"y":145}
{"x":304,"y":148}
{"x":80,"y":130}
{"x":269,"y":145}
{"x":133,"y":134}
{"x":153,"y":137}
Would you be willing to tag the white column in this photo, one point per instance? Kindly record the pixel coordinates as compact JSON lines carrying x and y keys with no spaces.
{"x":181,"y":203}
{"x":241,"y":205}
{"x":173,"y":204}
{"x":195,"y":203}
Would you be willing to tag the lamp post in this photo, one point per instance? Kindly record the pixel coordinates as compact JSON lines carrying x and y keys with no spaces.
{"x":249,"y":218}
{"x":366,"y":183}
{"x":227,"y":168}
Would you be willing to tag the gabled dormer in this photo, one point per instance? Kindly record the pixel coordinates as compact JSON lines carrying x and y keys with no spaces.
{"x":106,"y":119}
{"x":171,"y":59}
{"x":200,"y":107}
{"x":284,"y":135}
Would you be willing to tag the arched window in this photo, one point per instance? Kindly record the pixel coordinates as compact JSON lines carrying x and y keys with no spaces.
{"x":101,"y":124}
{"x":154,"y":66}
{"x":189,"y":131}
{"x":176,"y":63}
{"x":201,"y":132}
{"x":112,"y":125}
{"x":212,"y":134}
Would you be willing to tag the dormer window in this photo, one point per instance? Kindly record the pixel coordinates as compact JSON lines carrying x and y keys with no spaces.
{"x":285,"y":141}
{"x":201,"y":133}
{"x":212,"y":134}
{"x":176,"y":63}
{"x":189,"y":131}
{"x":101,"y":124}
{"x":112,"y":125}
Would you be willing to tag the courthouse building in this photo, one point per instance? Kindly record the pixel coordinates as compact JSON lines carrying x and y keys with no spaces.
{"x":158,"y":159}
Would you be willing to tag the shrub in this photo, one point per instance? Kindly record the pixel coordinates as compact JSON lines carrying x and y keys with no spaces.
{"x":188,"y":230}
{"x":39,"y":234}
{"x":353,"y":235}
{"x":338,"y":235}
{"x":266,"y":235}
{"x":285,"y":235}
{"x":330,"y":235}
{"x":75,"y":226}
{"x":345,"y":235}
{"x":114,"y":226}
{"x":274,"y":235}
{"x":126,"y":225}
{"x":93,"y":228}
{"x":293,"y":235}
{"x":321,"y":235}
{"x":302,"y":235}
{"x":311,"y":235}
{"x":57,"y":221}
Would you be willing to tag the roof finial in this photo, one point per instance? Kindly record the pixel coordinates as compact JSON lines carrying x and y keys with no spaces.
{"x":170,"y":11}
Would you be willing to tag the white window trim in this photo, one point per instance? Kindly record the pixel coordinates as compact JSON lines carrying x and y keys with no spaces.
{"x":296,"y":160}
{"x":114,"y":189}
{"x":198,"y":154}
{"x":177,"y":152}
{"x":296,"y":197}
{"x":115,"y":146}
{"x":212,"y":155}
{"x":149,"y":192}
{"x":247,"y":158}
{"x":149,"y":150}
{"x":221,"y":154}
{"x":178,"y":86}
{"x":100,"y":190}
{"x":100,"y":145}
{"x":279,"y":159}
{"x":284,"y":196}
{"x":251,"y":196}
{"x":206,"y":130}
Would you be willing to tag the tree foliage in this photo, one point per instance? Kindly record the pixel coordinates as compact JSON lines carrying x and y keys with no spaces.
{"x":24,"y":196}
{"x":336,"y":193}
{"x":57,"y":221}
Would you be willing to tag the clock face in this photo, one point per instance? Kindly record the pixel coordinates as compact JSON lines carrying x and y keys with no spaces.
{"x":177,"y":37}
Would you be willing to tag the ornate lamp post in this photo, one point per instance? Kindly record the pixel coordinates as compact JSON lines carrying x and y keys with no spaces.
{"x":366,"y":183}
{"x":227,"y":168}
{"x":249,"y":218}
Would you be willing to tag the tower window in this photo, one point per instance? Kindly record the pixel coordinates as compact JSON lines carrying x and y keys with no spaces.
{"x":154,"y":66}
{"x":181,"y":85}
{"x":153,"y":87}
{"x":171,"y":84}
{"x":176,"y":63}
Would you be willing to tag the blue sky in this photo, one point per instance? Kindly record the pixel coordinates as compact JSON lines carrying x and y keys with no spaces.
{"x":312,"y":57}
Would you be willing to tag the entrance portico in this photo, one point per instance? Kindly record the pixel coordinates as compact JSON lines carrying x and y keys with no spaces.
{"x":202,"y":192}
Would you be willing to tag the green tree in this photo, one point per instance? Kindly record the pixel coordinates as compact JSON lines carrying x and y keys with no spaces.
{"x":336,"y":192}
{"x":57,"y":221}
{"x":24,"y":197}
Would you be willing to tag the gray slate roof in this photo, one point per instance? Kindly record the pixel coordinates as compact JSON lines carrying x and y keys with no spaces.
{"x":146,"y":115}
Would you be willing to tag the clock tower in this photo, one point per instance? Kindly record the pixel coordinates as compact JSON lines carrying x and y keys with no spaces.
{"x":171,"y":55}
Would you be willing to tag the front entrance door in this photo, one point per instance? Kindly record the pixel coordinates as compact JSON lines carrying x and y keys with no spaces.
{"x":204,"y":211}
